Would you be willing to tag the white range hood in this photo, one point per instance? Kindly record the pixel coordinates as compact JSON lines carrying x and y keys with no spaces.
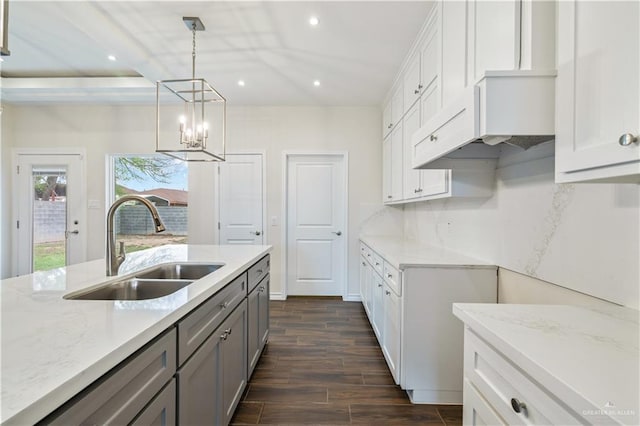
{"x":513,"y":107}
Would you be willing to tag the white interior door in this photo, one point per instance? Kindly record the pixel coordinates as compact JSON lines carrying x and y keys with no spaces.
{"x":316,"y":234}
{"x":50,"y":211}
{"x":241,"y":199}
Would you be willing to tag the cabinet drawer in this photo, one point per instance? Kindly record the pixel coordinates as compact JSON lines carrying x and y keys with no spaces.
{"x":194,"y":329}
{"x":452,"y":127}
{"x":162,"y":410}
{"x":119,"y":396}
{"x":476,"y":411}
{"x":499,"y":382}
{"x":376,"y":261}
{"x":392,"y":277}
{"x":257,"y":272}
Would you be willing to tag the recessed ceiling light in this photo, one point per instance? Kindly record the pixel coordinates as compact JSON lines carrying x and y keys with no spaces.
{"x":313,"y":21}
{"x":316,"y":83}
{"x":111,"y":58}
{"x":241,"y":83}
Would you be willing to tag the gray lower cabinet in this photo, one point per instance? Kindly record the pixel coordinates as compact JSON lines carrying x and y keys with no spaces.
{"x":121,"y":395}
{"x":258,"y":316}
{"x":211,"y":382}
{"x":161,"y":411}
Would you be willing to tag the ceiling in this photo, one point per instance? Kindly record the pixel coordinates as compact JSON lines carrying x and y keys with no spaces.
{"x":59,"y":50}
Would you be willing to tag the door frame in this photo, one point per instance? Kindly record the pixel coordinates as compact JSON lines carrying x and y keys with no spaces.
{"x":216,"y":196}
{"x":285,"y":218}
{"x":44,"y":151}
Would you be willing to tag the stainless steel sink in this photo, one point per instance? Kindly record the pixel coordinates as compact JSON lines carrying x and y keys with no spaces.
{"x":131,"y":289}
{"x":179,"y":271}
{"x":158,"y":281}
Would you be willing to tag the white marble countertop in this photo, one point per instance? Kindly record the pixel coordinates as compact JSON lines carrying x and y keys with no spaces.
{"x":587,"y":357}
{"x":53,"y":348}
{"x":402,"y":254}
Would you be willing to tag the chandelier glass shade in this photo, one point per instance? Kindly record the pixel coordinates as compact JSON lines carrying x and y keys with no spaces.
{"x":190,"y":114}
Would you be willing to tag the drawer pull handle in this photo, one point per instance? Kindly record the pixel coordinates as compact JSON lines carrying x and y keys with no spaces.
{"x":387,"y":292}
{"x":228,"y":332}
{"x":223,"y":336}
{"x":389,"y":276}
{"x":259,"y":271}
{"x":415,"y":92}
{"x":224,"y":305}
{"x":377,"y":263}
{"x":379,"y":285}
{"x":433,"y":138}
{"x":364,"y":264}
{"x":518,"y":407}
{"x":627,"y":139}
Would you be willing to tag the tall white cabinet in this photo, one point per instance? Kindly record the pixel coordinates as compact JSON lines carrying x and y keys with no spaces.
{"x":598,"y":91}
{"x":407,"y":292}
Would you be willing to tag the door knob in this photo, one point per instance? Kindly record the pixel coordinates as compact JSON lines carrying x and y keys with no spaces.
{"x":255,"y":233}
{"x":337,"y":233}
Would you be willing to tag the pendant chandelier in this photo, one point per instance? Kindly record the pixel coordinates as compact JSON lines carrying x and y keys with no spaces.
{"x":196,"y":111}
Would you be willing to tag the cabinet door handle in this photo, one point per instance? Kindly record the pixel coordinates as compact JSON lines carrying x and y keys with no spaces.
{"x":518,"y":407}
{"x":387,"y":292}
{"x":419,"y":190}
{"x":389,"y":196}
{"x":389,"y":276}
{"x":377,"y":263}
{"x":228,"y":331}
{"x":223,"y":336}
{"x":256,"y":233}
{"x":338,"y":233}
{"x":417,"y":91}
{"x":433,"y":138}
{"x":627,"y":139}
{"x":259,"y":271}
{"x":224,"y":305}
{"x":379,"y":285}
{"x":415,"y":191}
{"x":364,"y":264}
{"x":420,"y":86}
{"x":390,"y":125}
{"x":368,"y":255}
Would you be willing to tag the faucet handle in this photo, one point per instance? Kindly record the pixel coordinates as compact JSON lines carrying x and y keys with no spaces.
{"x":122,"y":249}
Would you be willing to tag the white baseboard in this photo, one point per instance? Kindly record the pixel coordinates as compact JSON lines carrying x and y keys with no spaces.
{"x":277,"y":296}
{"x":352,"y":298}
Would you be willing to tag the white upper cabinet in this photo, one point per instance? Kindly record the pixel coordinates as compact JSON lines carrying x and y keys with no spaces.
{"x":397,"y":104}
{"x":386,"y":120}
{"x":598,"y":91}
{"x":411,"y":82}
{"x":397,"y":166}
{"x":453,"y":77}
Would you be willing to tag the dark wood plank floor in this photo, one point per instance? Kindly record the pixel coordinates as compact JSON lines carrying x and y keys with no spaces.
{"x":323,"y":365}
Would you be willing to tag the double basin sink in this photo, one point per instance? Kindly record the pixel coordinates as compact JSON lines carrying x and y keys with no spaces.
{"x":152,"y":283}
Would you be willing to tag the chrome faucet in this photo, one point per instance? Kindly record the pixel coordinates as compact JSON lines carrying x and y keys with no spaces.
{"x":114,"y":261}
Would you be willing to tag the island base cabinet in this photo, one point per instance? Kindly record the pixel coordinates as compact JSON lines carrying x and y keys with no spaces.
{"x":120,"y":396}
{"x":234,"y":361}
{"x":198,"y":384}
{"x":258,"y":321}
{"x":161,"y":411}
{"x":211,"y":382}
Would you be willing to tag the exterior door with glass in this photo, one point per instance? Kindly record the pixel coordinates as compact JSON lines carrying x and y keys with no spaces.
{"x":50,"y":212}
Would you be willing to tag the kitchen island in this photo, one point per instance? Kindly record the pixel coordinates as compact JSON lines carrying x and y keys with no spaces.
{"x":52,"y":348}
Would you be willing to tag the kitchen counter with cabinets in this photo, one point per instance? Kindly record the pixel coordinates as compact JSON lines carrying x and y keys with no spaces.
{"x":53,"y":349}
{"x":407,"y":290}
{"x":550,"y":364}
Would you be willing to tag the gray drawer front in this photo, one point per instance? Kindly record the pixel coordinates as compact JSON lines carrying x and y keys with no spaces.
{"x":194,"y":329}
{"x":162,"y":410}
{"x":257,"y":272}
{"x":124,"y":392}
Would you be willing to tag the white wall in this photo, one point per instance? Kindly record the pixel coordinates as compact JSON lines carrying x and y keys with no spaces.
{"x":130,"y":129}
{"x":584,"y":237}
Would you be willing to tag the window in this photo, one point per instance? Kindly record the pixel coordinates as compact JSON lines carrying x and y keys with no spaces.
{"x":163,"y":181}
